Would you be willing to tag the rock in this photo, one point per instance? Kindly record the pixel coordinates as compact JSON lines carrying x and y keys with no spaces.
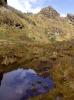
{"x":3,"y":2}
{"x":49,"y":12}
{"x":71,"y":18}
{"x":8,"y":60}
{"x":19,"y":26}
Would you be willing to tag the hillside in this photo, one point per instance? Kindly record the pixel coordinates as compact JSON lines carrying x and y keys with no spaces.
{"x":39,"y":27}
{"x":39,"y":41}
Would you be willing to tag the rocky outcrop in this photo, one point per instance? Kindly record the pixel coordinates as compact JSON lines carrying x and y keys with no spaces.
{"x":3,"y":2}
{"x":71,"y":18}
{"x":49,"y":12}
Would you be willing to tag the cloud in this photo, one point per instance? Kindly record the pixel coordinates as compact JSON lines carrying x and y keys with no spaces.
{"x":63,"y":15}
{"x":25,"y":5}
{"x":15,"y":4}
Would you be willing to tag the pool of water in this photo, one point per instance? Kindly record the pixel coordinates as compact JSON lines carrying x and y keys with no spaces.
{"x":23,"y":84}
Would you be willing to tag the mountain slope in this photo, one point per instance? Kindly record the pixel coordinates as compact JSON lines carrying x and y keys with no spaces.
{"x":40,"y":42}
{"x":39,"y":27}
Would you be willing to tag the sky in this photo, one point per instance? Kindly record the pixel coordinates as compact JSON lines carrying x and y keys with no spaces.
{"x":34,"y":6}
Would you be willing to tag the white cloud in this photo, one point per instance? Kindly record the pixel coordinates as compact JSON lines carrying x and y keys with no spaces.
{"x":63,"y":15}
{"x":33,"y":0}
{"x":36,"y":10}
{"x":24,"y":5}
{"x":15,"y":4}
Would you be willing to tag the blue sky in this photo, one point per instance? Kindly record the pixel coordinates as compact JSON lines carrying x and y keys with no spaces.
{"x":62,"y":6}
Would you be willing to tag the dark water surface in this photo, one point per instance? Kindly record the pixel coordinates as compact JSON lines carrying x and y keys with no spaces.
{"x":22,"y":84}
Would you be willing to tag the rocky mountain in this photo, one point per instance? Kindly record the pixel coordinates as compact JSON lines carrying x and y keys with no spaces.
{"x":49,"y":12}
{"x":44,"y":42}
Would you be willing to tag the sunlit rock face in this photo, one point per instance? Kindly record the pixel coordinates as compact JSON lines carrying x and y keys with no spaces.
{"x":3,"y":2}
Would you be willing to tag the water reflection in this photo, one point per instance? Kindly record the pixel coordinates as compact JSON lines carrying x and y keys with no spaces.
{"x":22,"y":84}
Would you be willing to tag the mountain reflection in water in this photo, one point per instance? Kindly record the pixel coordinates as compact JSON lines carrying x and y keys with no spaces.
{"x":22,"y":84}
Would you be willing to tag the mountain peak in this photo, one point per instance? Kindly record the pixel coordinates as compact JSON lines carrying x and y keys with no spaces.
{"x":49,"y":12}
